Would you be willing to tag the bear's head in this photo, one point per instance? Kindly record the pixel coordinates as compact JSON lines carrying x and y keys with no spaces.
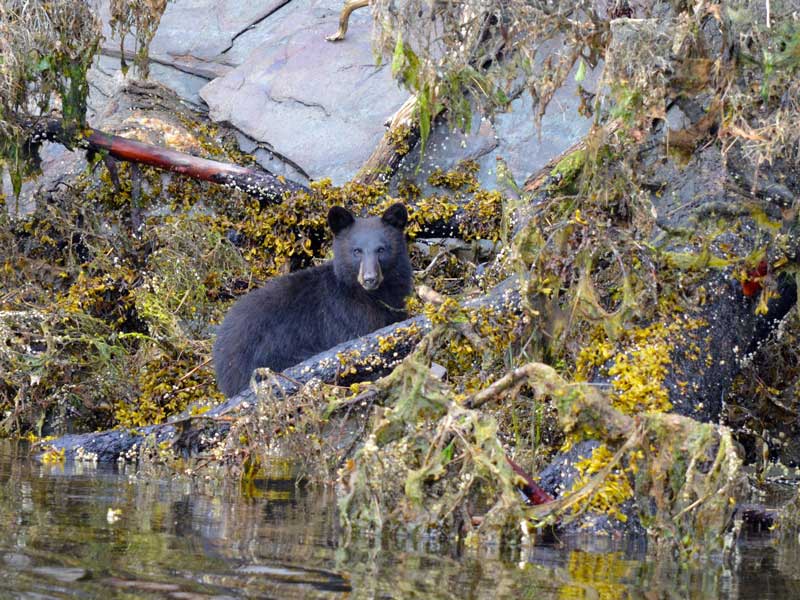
{"x":366,"y":250}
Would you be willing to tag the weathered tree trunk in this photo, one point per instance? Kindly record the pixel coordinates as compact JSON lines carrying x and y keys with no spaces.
{"x":366,"y":361}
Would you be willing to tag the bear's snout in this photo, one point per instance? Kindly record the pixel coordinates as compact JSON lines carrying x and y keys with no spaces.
{"x":369,"y":274}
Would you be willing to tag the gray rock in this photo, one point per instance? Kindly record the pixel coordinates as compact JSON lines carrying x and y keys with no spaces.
{"x":526,"y":150}
{"x":186,"y":85}
{"x":308,"y":108}
{"x":319,"y":104}
{"x":560,"y":475}
{"x":63,"y":574}
{"x":16,"y":560}
{"x":105,"y":79}
{"x":445,"y":149}
{"x":198,"y":29}
{"x":59,"y":166}
{"x":511,"y":136}
{"x":191,"y":43}
{"x":269,"y":159}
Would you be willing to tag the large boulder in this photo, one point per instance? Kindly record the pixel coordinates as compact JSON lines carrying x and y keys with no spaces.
{"x":320,"y":105}
{"x":310,"y":109}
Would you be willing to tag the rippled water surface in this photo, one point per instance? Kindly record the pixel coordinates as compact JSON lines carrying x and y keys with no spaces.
{"x":99,"y":532}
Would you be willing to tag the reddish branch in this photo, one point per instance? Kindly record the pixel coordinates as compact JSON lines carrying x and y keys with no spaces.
{"x":265,"y":186}
{"x":533,"y":493}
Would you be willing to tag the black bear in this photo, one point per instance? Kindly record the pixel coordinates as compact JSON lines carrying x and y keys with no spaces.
{"x":298,"y":315}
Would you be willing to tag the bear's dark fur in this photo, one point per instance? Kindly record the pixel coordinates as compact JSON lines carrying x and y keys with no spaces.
{"x":301,"y":314}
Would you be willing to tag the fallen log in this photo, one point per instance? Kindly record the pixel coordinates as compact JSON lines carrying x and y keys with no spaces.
{"x":401,"y":135}
{"x":362,"y":359}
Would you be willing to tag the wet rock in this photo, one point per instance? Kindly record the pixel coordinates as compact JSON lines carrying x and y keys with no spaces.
{"x":59,"y":167}
{"x":558,"y":476}
{"x":198,"y":30}
{"x":141,"y":585}
{"x":445,"y":149}
{"x":524,"y":149}
{"x":15,"y":560}
{"x":327,"y":580}
{"x":710,"y":189}
{"x":186,"y":59}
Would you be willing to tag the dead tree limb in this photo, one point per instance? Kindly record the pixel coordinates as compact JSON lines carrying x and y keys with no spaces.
{"x":344,"y":18}
{"x":265,"y":186}
{"x":401,"y":135}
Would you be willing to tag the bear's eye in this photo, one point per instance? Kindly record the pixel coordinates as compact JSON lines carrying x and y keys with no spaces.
{"x":381,"y":250}
{"x":357,"y":251}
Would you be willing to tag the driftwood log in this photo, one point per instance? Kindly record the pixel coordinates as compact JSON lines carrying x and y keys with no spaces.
{"x":368,"y":361}
{"x":402,"y":134}
{"x":261,"y":184}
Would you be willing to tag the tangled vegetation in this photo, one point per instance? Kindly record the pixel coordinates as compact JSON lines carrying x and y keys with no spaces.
{"x":142,"y":18}
{"x":47,"y":48}
{"x":610,"y":267}
{"x":599,"y":301}
{"x":120,"y":333}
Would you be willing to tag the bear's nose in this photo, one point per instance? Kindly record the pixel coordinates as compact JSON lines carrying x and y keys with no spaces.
{"x":369,"y":274}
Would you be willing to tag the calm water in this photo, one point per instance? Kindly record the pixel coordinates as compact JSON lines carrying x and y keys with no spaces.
{"x":71,"y":532}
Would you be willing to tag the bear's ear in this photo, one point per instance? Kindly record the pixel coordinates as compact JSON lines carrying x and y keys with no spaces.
{"x":396,"y":216}
{"x":339,"y":218}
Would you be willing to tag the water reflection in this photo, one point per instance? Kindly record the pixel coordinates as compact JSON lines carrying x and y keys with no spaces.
{"x":97,"y":532}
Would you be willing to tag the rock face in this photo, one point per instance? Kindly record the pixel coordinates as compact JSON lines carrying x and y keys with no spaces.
{"x":58,"y":164}
{"x":308,"y":108}
{"x":511,"y":136}
{"x":198,"y":32}
{"x":320,"y":105}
